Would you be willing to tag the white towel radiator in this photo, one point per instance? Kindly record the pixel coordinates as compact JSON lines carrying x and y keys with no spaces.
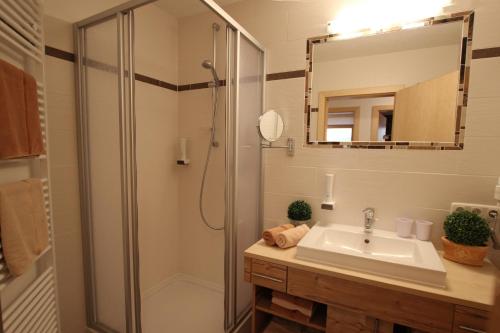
{"x":28,"y":302}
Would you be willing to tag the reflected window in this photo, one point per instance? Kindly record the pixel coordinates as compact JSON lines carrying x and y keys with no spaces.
{"x":339,"y":134}
{"x":342,"y":124}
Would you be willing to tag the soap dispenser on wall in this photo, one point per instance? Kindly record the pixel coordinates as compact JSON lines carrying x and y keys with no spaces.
{"x":328,"y":202}
{"x":183,"y":159}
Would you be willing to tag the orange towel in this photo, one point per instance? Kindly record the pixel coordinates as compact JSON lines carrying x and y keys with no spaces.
{"x":20,"y":131}
{"x":34,"y":129}
{"x":291,"y":237}
{"x":293,"y":303}
{"x":23,"y":224}
{"x":269,"y":235}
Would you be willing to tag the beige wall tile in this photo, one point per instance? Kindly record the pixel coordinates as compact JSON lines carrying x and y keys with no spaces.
{"x":291,"y":180}
{"x":62,"y":111}
{"x":484,"y":75}
{"x":195,"y":45}
{"x":158,"y":185}
{"x":70,"y":282}
{"x":487,"y":25}
{"x":58,"y":33}
{"x":154,"y":56}
{"x":196,"y":238}
{"x":285,"y":56}
{"x":483,"y":117}
{"x":480,"y":157}
{"x":59,"y":76}
{"x":62,"y":147}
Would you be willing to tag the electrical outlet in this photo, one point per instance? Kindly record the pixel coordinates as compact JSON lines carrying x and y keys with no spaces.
{"x":485,"y":211}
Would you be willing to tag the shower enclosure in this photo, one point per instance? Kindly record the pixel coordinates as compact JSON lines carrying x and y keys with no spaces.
{"x":129,"y":177}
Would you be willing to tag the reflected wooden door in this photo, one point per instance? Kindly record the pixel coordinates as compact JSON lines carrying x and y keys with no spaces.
{"x":427,"y":111}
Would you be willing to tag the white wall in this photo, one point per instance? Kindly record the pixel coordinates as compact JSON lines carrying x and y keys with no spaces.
{"x":202,"y":249}
{"x":156,"y":52}
{"x":64,"y":172}
{"x":396,"y":182}
{"x":398,"y":68}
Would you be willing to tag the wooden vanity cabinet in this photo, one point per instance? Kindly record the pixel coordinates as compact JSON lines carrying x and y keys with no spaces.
{"x":468,"y":320}
{"x":266,"y":274}
{"x":413,"y":311}
{"x":341,"y":319}
{"x":345,"y":306}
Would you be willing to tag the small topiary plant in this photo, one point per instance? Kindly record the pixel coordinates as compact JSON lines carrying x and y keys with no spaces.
{"x":466,"y":228}
{"x":299,"y":211}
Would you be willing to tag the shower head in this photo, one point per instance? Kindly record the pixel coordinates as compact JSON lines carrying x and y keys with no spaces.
{"x":208,"y":65}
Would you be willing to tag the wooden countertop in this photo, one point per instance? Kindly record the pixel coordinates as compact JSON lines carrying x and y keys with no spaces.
{"x":466,"y":285}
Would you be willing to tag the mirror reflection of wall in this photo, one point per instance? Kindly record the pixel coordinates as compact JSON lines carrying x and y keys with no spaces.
{"x":271,"y":126}
{"x":401,"y":85}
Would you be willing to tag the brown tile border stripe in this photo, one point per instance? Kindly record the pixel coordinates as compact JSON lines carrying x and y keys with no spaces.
{"x":486,"y":53}
{"x":286,"y":75}
{"x":60,"y":54}
{"x":68,"y":56}
{"x":155,"y":82}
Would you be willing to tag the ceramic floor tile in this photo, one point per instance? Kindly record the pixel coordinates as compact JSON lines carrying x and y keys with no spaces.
{"x":184,"y":307}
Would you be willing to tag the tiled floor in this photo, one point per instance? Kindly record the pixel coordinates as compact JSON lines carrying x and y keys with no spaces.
{"x":183,"y":307}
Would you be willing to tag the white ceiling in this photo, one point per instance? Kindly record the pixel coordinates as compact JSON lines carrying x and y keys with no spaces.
{"x":425,"y":37}
{"x":76,"y":10}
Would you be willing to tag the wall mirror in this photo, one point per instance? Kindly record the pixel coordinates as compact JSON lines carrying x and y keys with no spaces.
{"x":402,"y":87}
{"x":271,"y":126}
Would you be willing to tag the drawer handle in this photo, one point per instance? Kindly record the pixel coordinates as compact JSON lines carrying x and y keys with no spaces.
{"x":468,"y":329}
{"x":267,"y":277}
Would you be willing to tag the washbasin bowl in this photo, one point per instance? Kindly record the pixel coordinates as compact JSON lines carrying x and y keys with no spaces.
{"x":380,"y":252}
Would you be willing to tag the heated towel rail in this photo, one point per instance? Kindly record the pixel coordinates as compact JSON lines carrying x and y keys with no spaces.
{"x":28,"y":302}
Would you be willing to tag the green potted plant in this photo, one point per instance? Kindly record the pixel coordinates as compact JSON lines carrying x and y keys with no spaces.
{"x":466,"y":238}
{"x":299,"y":212}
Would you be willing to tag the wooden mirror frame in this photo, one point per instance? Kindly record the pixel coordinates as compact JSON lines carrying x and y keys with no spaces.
{"x":463,"y":88}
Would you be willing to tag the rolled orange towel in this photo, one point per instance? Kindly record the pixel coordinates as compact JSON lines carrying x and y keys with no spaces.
{"x":269,"y":235}
{"x":291,"y":237}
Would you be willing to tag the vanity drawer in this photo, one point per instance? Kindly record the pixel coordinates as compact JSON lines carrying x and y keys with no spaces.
{"x":468,"y":320}
{"x":270,"y":275}
{"x":413,"y":311}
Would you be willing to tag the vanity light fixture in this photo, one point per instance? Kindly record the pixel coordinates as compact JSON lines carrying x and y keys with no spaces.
{"x":381,"y":15}
{"x":413,"y":25}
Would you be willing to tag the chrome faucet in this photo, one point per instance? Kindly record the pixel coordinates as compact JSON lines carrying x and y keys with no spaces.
{"x":493,"y":214}
{"x":369,"y":219}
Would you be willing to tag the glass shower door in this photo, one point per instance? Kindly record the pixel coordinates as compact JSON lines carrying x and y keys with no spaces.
{"x":246,"y":77}
{"x":107,"y":162}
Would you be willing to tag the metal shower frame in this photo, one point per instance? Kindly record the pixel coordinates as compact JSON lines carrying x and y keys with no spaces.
{"x":126,"y":89}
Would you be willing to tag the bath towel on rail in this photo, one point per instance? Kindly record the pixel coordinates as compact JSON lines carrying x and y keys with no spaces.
{"x":23,"y":224}
{"x":20,"y":129}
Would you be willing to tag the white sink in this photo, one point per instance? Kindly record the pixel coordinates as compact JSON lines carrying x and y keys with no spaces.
{"x":380,"y":252}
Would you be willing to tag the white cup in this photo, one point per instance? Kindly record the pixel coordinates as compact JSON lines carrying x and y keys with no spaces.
{"x":404,"y":227}
{"x":424,"y":230}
